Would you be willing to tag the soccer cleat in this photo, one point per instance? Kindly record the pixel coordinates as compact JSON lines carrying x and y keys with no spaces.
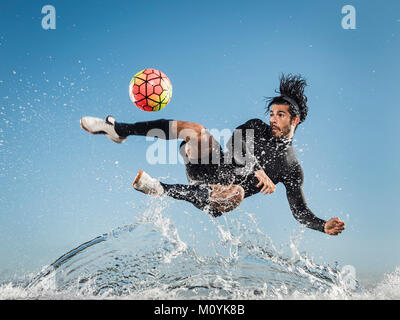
{"x":148,"y":185}
{"x":100,"y":126}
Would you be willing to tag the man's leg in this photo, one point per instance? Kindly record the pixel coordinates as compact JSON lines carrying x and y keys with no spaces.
{"x":193,"y":133}
{"x":158,"y":128}
{"x":199,"y":142}
{"x":226,"y":198}
{"x":214,"y":199}
{"x":118,"y":132}
{"x":199,"y":145}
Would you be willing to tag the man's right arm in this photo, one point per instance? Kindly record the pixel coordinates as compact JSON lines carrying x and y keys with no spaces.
{"x":264,"y":182}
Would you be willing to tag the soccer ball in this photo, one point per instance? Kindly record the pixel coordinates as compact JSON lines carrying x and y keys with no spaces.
{"x":150,"y":90}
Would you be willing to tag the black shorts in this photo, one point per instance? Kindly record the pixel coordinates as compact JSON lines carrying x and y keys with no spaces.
{"x":213,"y":172}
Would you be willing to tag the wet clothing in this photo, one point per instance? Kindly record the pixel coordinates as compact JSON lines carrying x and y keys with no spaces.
{"x":252,"y":147}
{"x":157,"y":128}
{"x":259,"y":150}
{"x":196,"y":194}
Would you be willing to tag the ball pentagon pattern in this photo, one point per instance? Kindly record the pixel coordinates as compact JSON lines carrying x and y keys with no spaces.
{"x":150,"y":90}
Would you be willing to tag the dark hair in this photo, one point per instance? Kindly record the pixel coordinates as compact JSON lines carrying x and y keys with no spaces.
{"x":291,"y":88}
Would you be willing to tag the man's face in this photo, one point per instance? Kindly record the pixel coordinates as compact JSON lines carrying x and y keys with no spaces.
{"x":280,"y":121}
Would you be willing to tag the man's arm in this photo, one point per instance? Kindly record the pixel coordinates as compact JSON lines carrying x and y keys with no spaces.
{"x":300,"y":210}
{"x":264,"y":182}
{"x":297,"y":201}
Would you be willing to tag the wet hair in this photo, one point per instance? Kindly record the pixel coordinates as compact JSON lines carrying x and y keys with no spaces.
{"x":291,"y":90}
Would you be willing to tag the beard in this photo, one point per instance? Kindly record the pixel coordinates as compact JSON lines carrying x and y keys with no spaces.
{"x":280,"y":132}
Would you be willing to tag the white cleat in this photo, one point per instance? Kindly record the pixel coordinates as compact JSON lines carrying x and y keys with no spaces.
{"x":100,"y":126}
{"x":148,"y":185}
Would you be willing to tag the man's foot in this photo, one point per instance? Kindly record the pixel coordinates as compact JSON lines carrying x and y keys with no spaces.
{"x":100,"y":126}
{"x":148,"y":185}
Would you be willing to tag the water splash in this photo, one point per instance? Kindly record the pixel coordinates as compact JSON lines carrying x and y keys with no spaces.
{"x":149,"y":260}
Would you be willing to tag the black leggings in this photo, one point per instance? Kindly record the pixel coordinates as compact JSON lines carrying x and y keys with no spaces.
{"x":197,"y":194}
{"x":161,"y":128}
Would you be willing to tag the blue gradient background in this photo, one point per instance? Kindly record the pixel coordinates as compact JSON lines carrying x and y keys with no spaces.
{"x":61,"y":187}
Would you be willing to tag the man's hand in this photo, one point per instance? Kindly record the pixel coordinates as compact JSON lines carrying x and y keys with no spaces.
{"x":267,"y":185}
{"x":334,"y":226}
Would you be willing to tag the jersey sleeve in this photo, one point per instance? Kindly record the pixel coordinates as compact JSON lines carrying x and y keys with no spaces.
{"x":297,"y":202}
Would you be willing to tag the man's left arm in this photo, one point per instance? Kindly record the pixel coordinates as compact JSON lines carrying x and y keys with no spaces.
{"x":300,"y":210}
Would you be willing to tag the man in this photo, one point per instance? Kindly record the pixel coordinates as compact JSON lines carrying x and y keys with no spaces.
{"x":259,"y":156}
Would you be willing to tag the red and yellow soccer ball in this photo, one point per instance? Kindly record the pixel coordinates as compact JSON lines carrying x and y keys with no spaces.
{"x":150,"y":90}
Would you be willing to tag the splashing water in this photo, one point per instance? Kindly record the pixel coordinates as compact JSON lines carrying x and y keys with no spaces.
{"x":148,"y":260}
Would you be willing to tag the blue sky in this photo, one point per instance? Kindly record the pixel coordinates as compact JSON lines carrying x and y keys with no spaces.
{"x":61,"y":187}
